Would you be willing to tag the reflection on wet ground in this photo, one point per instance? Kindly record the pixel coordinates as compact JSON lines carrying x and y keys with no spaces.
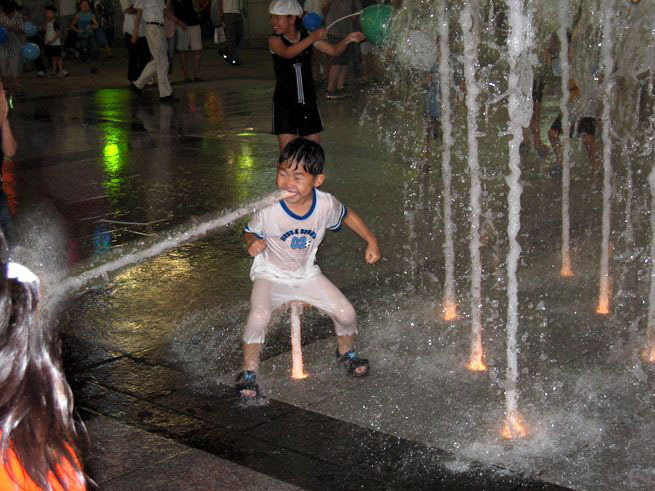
{"x":151,"y":352}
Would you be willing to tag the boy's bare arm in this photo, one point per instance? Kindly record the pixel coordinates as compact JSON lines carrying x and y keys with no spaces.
{"x":254,"y":244}
{"x":357,"y":225}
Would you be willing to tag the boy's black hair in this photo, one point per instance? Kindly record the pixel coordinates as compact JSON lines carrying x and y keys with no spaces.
{"x":52,"y":8}
{"x":304,"y":152}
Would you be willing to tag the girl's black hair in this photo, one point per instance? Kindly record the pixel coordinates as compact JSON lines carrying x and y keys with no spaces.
{"x":36,"y":403}
{"x":307,"y":153}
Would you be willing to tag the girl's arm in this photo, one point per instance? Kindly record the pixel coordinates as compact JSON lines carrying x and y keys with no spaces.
{"x":94,"y":22}
{"x":288,"y":52}
{"x":355,"y":223}
{"x":8,"y":141}
{"x":74,"y":23}
{"x":168,"y":12}
{"x":340,"y":47}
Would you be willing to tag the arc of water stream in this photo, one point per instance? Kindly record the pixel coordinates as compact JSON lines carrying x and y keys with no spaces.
{"x":564,"y":22}
{"x":449,"y":303}
{"x":519,"y":42}
{"x":472,"y":90}
{"x":608,"y":66}
{"x":188,"y":233}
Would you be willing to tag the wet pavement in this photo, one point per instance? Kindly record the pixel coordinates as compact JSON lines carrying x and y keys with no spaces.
{"x":151,"y":352}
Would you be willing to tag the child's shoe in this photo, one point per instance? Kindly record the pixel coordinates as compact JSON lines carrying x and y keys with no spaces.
{"x":40,"y":74}
{"x":246,"y":386}
{"x":62,"y":74}
{"x":356,"y":366}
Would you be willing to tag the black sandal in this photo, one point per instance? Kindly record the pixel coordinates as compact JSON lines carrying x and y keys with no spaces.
{"x":351,"y":360}
{"x":247,"y":381}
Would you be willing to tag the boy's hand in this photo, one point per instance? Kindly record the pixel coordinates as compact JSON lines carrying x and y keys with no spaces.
{"x":372,"y":254}
{"x":355,"y":37}
{"x":256,"y":247}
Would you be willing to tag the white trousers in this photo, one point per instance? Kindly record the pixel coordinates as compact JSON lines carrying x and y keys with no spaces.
{"x":158,"y":47}
{"x":267,"y":295}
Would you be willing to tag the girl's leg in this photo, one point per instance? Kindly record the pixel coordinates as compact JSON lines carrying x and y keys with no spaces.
{"x":185,"y":70}
{"x":315,"y":137}
{"x":284,"y":138}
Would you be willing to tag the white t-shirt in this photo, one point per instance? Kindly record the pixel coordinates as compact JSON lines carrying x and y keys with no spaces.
{"x":50,"y":34}
{"x":291,"y":240}
{"x":128,"y":19}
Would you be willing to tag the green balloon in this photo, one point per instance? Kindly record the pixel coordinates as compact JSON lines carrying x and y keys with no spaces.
{"x":375,"y":21}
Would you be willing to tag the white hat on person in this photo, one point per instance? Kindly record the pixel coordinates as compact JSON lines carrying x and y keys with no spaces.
{"x":285,"y":7}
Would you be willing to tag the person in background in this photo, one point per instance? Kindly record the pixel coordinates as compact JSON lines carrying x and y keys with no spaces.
{"x":67,"y":11}
{"x":11,"y":58}
{"x":230,"y":15}
{"x":138,"y":54}
{"x":189,"y":37}
{"x":170,"y":31}
{"x":152,"y":13}
{"x":85,"y":24}
{"x":52,"y":39}
{"x":34,"y":12}
{"x":337,"y":9}
{"x":105,"y":23}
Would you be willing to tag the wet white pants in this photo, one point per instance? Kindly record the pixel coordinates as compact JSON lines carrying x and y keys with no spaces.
{"x":267,"y":295}
{"x":159,"y":64}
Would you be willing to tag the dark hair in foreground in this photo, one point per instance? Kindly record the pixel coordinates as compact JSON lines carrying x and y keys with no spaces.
{"x":304,"y":152}
{"x":36,"y":403}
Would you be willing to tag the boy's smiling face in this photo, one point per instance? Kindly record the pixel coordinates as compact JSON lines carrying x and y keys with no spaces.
{"x":292,"y":177}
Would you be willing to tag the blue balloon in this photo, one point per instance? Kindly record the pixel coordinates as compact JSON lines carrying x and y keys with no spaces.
{"x":4,"y":34}
{"x":312,"y":21}
{"x":30,"y":29}
{"x":30,"y":51}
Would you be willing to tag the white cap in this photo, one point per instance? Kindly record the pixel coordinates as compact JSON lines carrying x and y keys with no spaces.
{"x":285,"y":7}
{"x":21,"y":273}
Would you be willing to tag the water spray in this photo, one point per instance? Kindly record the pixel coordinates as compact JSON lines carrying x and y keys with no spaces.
{"x":519,"y":43}
{"x":449,"y":303}
{"x":603,"y":307}
{"x":472,"y":90}
{"x":564,"y":21}
{"x":297,"y":371}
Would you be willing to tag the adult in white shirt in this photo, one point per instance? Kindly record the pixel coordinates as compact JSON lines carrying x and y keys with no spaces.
{"x":151,"y":13}
{"x":138,"y":55}
{"x":230,"y":15}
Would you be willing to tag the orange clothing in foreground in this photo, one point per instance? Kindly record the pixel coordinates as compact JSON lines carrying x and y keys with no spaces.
{"x":23,"y":482}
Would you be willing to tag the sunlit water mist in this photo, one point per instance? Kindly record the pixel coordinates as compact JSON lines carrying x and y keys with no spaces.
{"x":604,"y":293}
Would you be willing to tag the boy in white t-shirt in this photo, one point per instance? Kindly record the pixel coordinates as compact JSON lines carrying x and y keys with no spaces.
{"x":284,"y":238}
